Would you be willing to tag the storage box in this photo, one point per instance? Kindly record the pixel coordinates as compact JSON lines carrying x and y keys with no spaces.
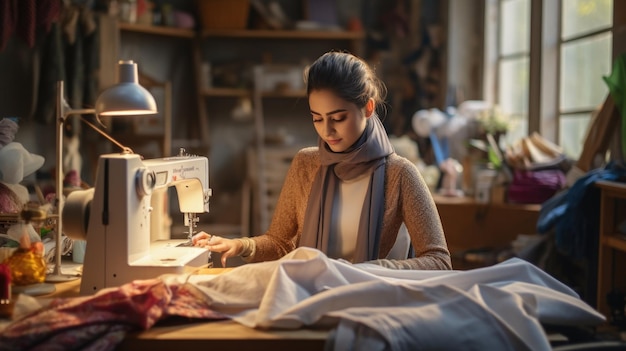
{"x":279,"y":77}
{"x":224,"y":14}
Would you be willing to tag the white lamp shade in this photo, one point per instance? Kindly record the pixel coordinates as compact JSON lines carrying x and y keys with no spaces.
{"x":126,"y":98}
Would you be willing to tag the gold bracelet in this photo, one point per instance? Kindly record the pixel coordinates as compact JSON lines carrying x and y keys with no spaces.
{"x":248,"y":247}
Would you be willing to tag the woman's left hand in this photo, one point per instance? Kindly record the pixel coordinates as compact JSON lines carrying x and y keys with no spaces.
{"x":228,"y":247}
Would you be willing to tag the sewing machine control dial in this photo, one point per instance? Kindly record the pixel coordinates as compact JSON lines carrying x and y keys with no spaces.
{"x":146,"y":181}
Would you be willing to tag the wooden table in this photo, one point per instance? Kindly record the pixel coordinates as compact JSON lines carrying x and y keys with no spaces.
{"x":221,"y":335}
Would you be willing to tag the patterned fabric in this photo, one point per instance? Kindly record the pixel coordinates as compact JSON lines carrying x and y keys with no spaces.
{"x":101,"y":321}
{"x":24,"y":18}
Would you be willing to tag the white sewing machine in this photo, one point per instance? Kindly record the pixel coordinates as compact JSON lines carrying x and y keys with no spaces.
{"x":114,"y":218}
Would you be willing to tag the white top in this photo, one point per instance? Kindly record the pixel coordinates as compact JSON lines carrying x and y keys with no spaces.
{"x":347,"y":206}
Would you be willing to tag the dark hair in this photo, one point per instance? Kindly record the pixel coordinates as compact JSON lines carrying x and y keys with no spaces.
{"x":348,"y":76}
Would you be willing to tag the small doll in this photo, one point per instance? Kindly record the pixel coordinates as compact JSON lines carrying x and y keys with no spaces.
{"x":27,"y":264}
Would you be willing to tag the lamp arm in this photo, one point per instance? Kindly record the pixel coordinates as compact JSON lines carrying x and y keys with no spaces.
{"x":66,"y":111}
{"x":125,"y":149}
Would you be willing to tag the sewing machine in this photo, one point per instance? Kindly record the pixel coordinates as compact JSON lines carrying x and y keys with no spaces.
{"x":114,"y":217}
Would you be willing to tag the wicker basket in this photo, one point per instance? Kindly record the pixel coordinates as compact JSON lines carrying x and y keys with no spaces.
{"x":224,"y":14}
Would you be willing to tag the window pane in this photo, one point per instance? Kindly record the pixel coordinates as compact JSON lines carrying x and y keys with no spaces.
{"x":572,"y":133}
{"x":583,"y":63}
{"x":513,"y":86}
{"x":515,"y":27}
{"x":584,"y":16}
{"x":518,"y":129}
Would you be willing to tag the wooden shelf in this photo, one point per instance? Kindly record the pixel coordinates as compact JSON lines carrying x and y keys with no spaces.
{"x":225,"y":92}
{"x":157,"y":30}
{"x":240,"y":92}
{"x":283,"y":34}
{"x":615,"y":241}
{"x":354,"y":41}
{"x":459,"y":200}
{"x":613,"y":189}
{"x":612,"y":243}
{"x":284,"y":94}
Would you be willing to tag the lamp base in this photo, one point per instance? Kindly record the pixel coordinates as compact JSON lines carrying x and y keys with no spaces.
{"x":34,"y":289}
{"x":60,"y":278}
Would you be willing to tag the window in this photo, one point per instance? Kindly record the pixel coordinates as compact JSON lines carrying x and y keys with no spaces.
{"x":546,"y":66}
{"x":585,"y":50}
{"x":513,"y":65}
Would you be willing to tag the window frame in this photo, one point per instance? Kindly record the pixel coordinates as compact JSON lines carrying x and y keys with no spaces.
{"x":545,"y":54}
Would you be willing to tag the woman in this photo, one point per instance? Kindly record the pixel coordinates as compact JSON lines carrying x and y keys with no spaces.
{"x":350,"y":195}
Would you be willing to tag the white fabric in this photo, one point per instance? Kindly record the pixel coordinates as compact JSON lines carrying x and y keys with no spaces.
{"x":494,"y":308}
{"x":400,"y":249}
{"x":72,"y":159}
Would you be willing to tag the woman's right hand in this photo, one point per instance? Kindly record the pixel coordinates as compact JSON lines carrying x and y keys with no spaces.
{"x":227,"y":247}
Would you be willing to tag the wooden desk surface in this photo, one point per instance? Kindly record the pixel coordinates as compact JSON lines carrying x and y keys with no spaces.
{"x":225,"y":334}
{"x":222,"y":336}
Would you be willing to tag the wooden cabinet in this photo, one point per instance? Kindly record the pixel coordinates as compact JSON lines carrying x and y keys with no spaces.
{"x":470,"y":226}
{"x":612,"y":243}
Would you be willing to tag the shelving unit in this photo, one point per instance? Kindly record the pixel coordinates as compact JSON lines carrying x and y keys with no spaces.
{"x":612,"y":243}
{"x":112,"y":33}
{"x":354,"y":42}
{"x":266,"y":164}
{"x":157,"y":30}
{"x":286,"y":34}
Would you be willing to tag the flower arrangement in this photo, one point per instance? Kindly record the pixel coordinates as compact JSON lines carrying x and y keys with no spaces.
{"x":494,"y":121}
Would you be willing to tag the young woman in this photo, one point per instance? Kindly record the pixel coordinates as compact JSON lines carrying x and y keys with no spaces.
{"x":350,"y":195}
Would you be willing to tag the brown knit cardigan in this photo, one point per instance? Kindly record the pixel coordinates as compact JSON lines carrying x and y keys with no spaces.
{"x":407,"y":199}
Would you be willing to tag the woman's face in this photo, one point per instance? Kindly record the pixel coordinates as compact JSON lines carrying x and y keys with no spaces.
{"x":338,"y":122}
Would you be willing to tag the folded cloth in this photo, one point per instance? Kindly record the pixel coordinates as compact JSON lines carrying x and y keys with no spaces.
{"x":535,"y":187}
{"x":498,"y":307}
{"x":50,"y":246}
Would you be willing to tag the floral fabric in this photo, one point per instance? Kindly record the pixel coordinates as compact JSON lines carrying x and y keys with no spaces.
{"x":101,"y":321}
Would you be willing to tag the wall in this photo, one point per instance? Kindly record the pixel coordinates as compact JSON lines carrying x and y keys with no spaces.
{"x":465,"y":47}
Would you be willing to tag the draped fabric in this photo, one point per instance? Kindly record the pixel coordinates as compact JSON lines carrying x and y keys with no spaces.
{"x":367,"y":307}
{"x":24,"y":18}
{"x":366,"y":157}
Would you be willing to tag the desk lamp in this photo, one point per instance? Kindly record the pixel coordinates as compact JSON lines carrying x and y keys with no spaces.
{"x":127,"y":98}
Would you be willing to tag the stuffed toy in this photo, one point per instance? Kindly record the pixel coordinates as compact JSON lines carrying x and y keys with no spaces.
{"x":16,"y":163}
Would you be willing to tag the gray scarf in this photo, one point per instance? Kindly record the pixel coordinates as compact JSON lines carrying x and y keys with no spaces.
{"x":367,"y":156}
